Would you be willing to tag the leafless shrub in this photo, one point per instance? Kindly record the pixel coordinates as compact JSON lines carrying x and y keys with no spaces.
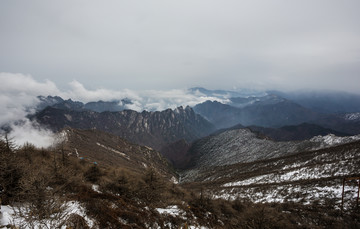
{"x":93,"y":174}
{"x":76,"y":221}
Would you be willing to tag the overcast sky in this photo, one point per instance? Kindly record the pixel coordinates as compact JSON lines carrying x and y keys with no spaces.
{"x":152,"y":45}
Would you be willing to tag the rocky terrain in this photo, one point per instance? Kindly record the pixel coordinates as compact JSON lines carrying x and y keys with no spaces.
{"x":154,"y":129}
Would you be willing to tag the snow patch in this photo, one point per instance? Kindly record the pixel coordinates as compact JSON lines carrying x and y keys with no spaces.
{"x":113,"y":150}
{"x":304,"y":173}
{"x":68,"y":117}
{"x":9,"y":216}
{"x":352,"y":116}
{"x":172,"y":210}
{"x":331,"y":139}
{"x":174,"y":180}
{"x":95,"y":188}
{"x":6,"y":215}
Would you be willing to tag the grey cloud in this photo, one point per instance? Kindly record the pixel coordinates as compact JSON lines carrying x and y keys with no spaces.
{"x":179,"y":44}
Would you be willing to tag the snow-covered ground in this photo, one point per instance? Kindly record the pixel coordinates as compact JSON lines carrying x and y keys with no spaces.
{"x":175,"y":211}
{"x":292,"y":193}
{"x":242,"y":146}
{"x":302,"y":173}
{"x":331,"y":140}
{"x":172,"y":210}
{"x":309,"y":176}
{"x":113,"y":150}
{"x":18,"y":216}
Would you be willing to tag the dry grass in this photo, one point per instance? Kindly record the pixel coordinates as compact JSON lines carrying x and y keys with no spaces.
{"x":43,"y":180}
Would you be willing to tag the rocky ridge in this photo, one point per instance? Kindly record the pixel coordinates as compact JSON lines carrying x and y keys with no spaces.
{"x":154,"y":129}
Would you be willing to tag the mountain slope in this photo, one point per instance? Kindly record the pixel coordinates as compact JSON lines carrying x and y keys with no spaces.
{"x":244,"y":146}
{"x":107,"y":149}
{"x":340,"y":123}
{"x":306,"y":177}
{"x":237,"y":164}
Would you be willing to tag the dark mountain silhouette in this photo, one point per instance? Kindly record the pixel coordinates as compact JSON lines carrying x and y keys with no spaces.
{"x":283,"y":112}
{"x":339,"y":123}
{"x":300,"y":132}
{"x":99,"y":106}
{"x":48,"y":101}
{"x":325,"y":102}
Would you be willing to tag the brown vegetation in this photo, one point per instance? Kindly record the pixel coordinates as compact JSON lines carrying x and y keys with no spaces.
{"x":43,"y":181}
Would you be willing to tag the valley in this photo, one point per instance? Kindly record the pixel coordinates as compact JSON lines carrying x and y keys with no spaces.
{"x":210,"y":166}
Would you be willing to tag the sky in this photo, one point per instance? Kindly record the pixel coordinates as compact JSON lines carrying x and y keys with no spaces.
{"x":170,"y":45}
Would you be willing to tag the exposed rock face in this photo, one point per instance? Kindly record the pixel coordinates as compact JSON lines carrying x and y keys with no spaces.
{"x":155,"y":129}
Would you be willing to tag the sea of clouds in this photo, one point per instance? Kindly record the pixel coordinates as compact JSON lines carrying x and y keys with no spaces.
{"x":19,"y":98}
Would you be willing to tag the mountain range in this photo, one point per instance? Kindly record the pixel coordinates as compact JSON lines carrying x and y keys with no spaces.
{"x":99,"y":106}
{"x":231,"y":162}
{"x":154,"y":129}
{"x":274,"y":111}
{"x":172,"y":132}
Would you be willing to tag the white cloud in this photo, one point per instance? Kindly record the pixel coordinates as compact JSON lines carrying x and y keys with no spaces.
{"x":18,"y":99}
{"x":151,"y":100}
{"x":18,"y":95}
{"x":79,"y":92}
{"x":31,"y":132}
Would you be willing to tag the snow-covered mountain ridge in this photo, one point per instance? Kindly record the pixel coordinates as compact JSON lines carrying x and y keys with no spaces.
{"x":312,"y":176}
{"x":243,"y":145}
{"x":238,"y":164}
